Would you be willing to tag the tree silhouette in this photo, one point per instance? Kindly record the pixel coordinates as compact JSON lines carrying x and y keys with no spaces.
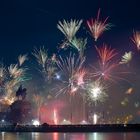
{"x":21,"y":93}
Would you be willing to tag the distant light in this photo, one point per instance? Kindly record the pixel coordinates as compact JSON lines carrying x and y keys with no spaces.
{"x":36,"y":122}
{"x":125,"y":125}
{"x":95,"y":117}
{"x":2,"y":120}
{"x":65,"y":122}
{"x":103,"y":74}
{"x":84,"y":122}
{"x":57,"y":76}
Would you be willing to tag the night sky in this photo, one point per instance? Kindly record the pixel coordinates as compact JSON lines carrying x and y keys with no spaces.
{"x":26,"y":24}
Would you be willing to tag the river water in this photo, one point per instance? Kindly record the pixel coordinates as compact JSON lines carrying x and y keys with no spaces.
{"x":69,"y":136}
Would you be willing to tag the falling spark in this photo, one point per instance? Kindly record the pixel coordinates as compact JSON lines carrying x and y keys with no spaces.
{"x":38,"y":99}
{"x":97,"y":27}
{"x":3,"y":74}
{"x":126,"y":58}
{"x":69,"y":29}
{"x":95,"y":118}
{"x":136,"y":39}
{"x":55,"y":117}
{"x":22,"y":59}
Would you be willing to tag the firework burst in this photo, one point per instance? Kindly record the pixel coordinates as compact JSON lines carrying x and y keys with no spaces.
{"x":16,"y":76}
{"x":96,"y":92}
{"x":41,"y":56}
{"x":70,"y":66}
{"x":136,"y":39}
{"x":108,"y":68}
{"x":126,"y":58}
{"x":97,"y":27}
{"x":80,"y":45}
{"x":38,"y":99}
{"x":10,"y":78}
{"x":15,"y":71}
{"x":47,"y":64}
{"x":105,"y":72}
{"x":110,"y":72}
{"x":7,"y":100}
{"x":69,"y":29}
{"x":22,"y":59}
{"x":106,"y":53}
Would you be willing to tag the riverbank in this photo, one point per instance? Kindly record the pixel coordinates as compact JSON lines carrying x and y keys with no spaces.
{"x":71,"y":128}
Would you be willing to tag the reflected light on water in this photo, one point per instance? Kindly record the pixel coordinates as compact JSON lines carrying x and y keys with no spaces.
{"x":64,"y":136}
{"x":55,"y":136}
{"x":69,"y":136}
{"x":124,"y":136}
{"x":2,"y":135}
{"x":35,"y":136}
{"x":96,"y":136}
{"x":77,"y":136}
{"x":8,"y":136}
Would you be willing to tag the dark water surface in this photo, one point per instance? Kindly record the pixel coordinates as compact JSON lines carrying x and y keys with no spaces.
{"x":69,"y":136}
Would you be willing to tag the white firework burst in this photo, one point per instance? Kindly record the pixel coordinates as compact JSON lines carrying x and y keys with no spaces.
{"x":41,"y":55}
{"x":96,"y":92}
{"x":15,"y":71}
{"x":22,"y":59}
{"x":69,"y":29}
{"x":126,"y":58}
